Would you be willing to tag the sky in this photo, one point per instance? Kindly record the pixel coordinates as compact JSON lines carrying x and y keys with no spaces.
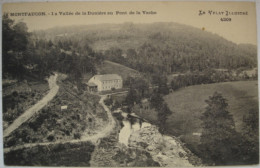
{"x":240,"y":29}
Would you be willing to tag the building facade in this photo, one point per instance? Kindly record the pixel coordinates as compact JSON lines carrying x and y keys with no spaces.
{"x":105,"y":82}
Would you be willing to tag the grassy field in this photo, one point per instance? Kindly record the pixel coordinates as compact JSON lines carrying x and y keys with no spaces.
{"x":113,"y":68}
{"x":189,"y":103}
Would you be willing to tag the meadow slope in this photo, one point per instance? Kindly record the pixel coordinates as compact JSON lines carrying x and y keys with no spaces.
{"x":188,"y":104}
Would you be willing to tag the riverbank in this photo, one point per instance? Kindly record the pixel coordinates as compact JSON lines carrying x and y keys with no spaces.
{"x":111,"y":151}
{"x":166,"y":150}
{"x":136,"y":139}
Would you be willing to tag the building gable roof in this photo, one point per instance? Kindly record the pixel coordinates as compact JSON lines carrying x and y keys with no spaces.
{"x":107,"y":77}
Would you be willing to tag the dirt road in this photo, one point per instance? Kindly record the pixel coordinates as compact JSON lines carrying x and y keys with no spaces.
{"x":94,"y":138}
{"x":35,"y":108}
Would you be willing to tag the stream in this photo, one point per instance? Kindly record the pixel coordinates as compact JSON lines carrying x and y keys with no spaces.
{"x":131,"y":123}
{"x":165,"y":150}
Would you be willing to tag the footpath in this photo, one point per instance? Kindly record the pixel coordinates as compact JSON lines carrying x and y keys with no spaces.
{"x":35,"y":108}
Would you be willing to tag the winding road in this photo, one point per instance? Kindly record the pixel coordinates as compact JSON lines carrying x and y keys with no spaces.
{"x":94,"y":138}
{"x":35,"y":108}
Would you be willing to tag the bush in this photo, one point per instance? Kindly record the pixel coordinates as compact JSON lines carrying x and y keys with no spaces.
{"x":77,"y":135}
{"x":50,"y":137}
{"x":15,"y":94}
{"x":108,"y":102}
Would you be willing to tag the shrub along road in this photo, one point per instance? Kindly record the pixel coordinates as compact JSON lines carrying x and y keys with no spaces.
{"x":35,"y":108}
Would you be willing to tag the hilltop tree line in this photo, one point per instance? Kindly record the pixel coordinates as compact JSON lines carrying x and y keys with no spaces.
{"x":26,"y":55}
{"x":207,"y":76}
{"x":170,"y":50}
{"x":155,"y":58}
{"x":160,"y":47}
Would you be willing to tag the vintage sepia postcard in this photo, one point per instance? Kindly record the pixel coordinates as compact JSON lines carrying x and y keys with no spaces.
{"x":130,"y":84}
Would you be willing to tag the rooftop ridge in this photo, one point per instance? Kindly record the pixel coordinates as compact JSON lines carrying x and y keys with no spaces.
{"x":104,"y":77}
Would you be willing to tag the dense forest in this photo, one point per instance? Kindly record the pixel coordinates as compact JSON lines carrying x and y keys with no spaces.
{"x":159,"y":47}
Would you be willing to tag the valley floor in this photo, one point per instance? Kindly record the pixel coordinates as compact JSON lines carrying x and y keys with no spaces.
{"x":108,"y":151}
{"x":99,"y":130}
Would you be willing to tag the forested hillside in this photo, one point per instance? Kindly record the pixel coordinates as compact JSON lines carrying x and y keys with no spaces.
{"x":159,"y":47}
{"x":28,"y":56}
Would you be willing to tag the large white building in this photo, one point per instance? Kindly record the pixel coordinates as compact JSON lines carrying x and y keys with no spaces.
{"x":105,"y":82}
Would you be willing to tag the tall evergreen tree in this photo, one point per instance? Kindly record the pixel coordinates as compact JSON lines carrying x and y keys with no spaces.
{"x":163,"y":113}
{"x":162,"y":109}
{"x":250,"y":140}
{"x":218,"y":134}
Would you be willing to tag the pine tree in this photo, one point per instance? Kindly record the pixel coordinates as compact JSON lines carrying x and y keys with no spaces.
{"x":250,"y":140}
{"x":156,"y":100}
{"x":163,"y":113}
{"x":218,"y":134}
{"x":162,"y":109}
